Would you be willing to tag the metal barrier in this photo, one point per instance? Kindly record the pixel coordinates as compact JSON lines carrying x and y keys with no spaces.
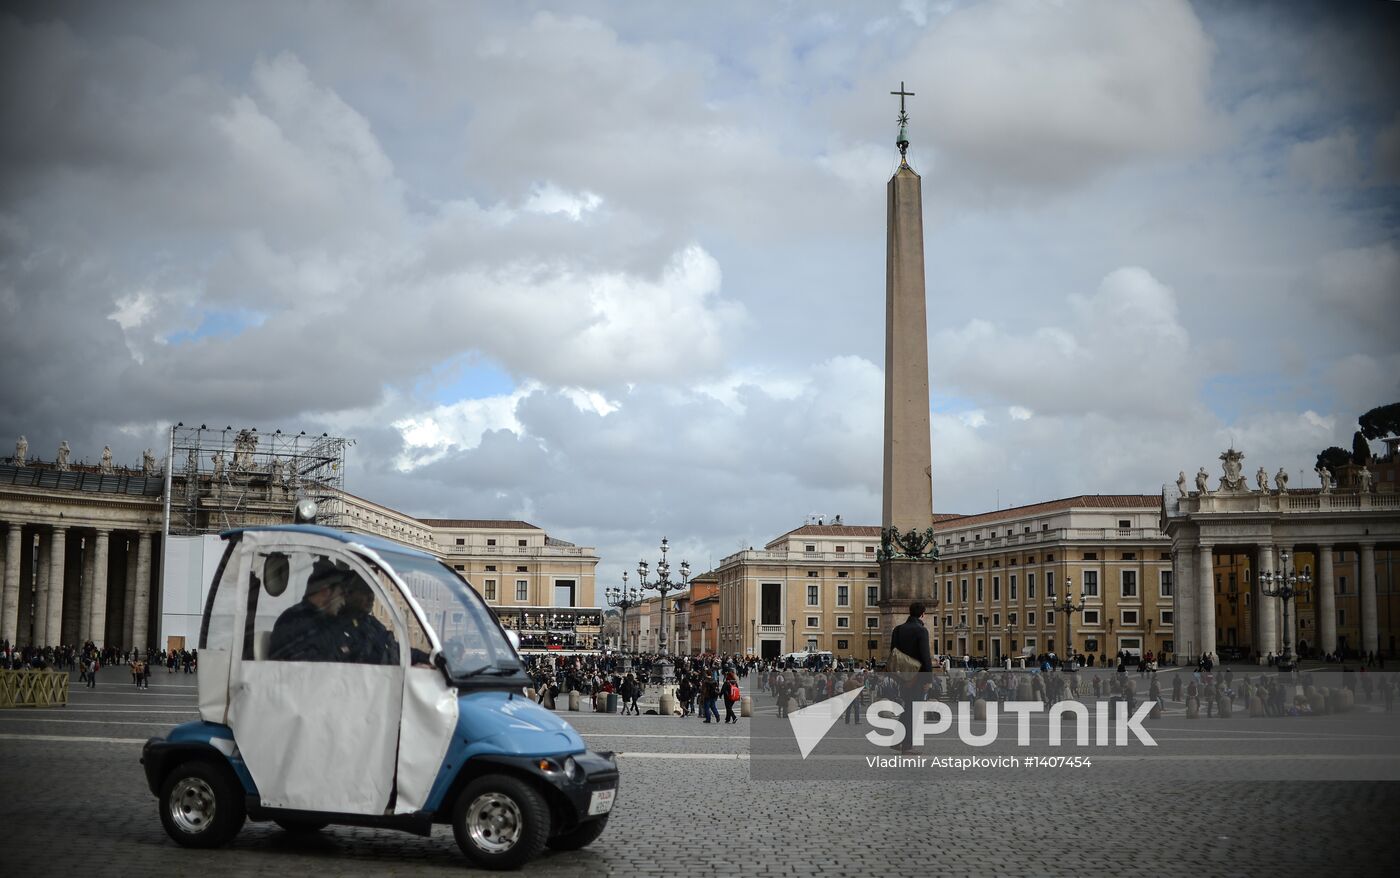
{"x":33,"y":689}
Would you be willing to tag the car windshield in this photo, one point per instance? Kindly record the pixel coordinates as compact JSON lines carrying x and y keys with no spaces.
{"x":472,"y":642}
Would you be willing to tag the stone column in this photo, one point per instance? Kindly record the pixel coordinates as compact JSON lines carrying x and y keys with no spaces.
{"x":97,"y":621}
{"x":1326,"y":602}
{"x":1205,"y":598}
{"x":140,"y":623}
{"x":1368,"y":598}
{"x":1184,"y":602}
{"x":85,"y":612}
{"x":41,"y":592}
{"x":1266,"y":607}
{"x":129,"y":604}
{"x":58,"y":548}
{"x":9,"y":603}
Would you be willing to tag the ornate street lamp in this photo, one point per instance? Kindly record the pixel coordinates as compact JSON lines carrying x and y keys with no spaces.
{"x":624,"y":599}
{"x":1285,"y":584}
{"x":1068,"y":606}
{"x":663,"y":585}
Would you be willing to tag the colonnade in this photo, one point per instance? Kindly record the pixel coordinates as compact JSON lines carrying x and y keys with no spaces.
{"x":68,"y":584}
{"x":1195,"y":595}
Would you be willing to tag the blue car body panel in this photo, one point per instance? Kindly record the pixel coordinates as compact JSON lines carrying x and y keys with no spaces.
{"x":200,"y":732}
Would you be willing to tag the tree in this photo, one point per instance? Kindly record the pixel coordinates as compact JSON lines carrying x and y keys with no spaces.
{"x":1360,"y":449}
{"x":1334,"y":459}
{"x":1381,"y":421}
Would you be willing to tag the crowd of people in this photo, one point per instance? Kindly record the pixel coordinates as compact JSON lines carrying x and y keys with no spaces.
{"x":88,"y":659}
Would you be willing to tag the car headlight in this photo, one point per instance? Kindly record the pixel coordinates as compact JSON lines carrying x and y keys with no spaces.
{"x":573,"y":769}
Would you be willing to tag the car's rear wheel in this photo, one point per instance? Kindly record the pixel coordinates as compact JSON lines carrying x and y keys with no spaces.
{"x":580,"y":837}
{"x":201,"y":805}
{"x":500,"y":822}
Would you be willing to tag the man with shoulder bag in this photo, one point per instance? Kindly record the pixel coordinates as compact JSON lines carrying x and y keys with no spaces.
{"x":909,"y":657}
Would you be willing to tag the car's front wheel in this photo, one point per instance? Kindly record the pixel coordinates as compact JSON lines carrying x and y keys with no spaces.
{"x":201,"y":805}
{"x":500,"y":822}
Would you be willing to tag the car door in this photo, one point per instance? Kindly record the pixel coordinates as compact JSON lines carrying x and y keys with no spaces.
{"x":315,"y":692}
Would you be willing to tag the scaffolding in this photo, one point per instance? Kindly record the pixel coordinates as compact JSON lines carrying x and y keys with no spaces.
{"x":238,"y":477}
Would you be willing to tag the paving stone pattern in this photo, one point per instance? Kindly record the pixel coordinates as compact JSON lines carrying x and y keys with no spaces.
{"x":74,"y":802}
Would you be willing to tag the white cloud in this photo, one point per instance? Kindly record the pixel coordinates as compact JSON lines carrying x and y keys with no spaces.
{"x":1327,"y":161}
{"x":548,"y":199}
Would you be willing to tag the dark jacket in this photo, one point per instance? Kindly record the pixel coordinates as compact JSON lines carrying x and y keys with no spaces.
{"x":911,"y":638}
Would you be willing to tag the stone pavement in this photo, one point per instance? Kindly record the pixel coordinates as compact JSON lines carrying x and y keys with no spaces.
{"x":73,"y":800}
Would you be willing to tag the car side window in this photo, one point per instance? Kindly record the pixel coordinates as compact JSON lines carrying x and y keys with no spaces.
{"x":311,"y":607}
{"x":419,"y":645}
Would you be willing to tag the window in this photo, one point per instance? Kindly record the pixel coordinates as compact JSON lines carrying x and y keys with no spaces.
{"x":1124,"y":524}
{"x":522,"y":543}
{"x":842,"y":644}
{"x":1091,"y":644}
{"x":522,"y":569}
{"x":1030,"y":586}
{"x":996,"y":619}
{"x":842,"y":574}
{"x":490,"y":568}
{"x":996,"y":588}
{"x":811,"y":574}
{"x":1341,"y":587}
{"x":872,"y":645}
{"x":981,"y":620}
{"x":872,"y":621}
{"x":1050,"y":617}
{"x":1168,"y":617}
{"x":869,"y":550}
{"x":1091,"y":556}
{"x":1091,"y":584}
{"x":843,"y":595}
{"x":1050,"y":585}
{"x":810,"y":547}
{"x":813,"y":595}
{"x":1130,"y":556}
{"x":811,"y":644}
{"x":979,"y":590}
{"x":458,"y":567}
{"x":872,"y":595}
{"x":771,"y":611}
{"x":1091,"y":617}
{"x":1012,"y":584}
{"x":1130,"y":618}
{"x":814,"y":622}
{"x":950,"y":592}
{"x":1011,"y":618}
{"x":843,"y":621}
{"x":1030,"y":618}
{"x":490,"y":589}
{"x":461,"y":541}
{"x":491,"y":541}
{"x":1129,"y":584}
{"x":873,"y":574}
{"x":841,"y":549}
{"x":1164,"y":584}
{"x":964,"y":591}
{"x":1341,"y":617}
{"x":522,"y":589}
{"x":1050,"y":556}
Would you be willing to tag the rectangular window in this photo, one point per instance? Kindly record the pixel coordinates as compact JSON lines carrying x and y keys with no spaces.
{"x":1130,"y":618}
{"x":1011,"y":618}
{"x":1030,"y":618}
{"x":843,"y":621}
{"x":872,"y":621}
{"x":979,"y":589}
{"x":811,"y":547}
{"x":1168,"y":617}
{"x":872,"y":595}
{"x":1124,"y":524}
{"x":869,"y":550}
{"x":811,"y":574}
{"x":1341,"y":618}
{"x":843,"y":574}
{"x":1091,"y":617}
{"x":1050,"y":617}
{"x":522,"y":570}
{"x":996,"y":588}
{"x":1130,"y":556}
{"x":1129,"y":584}
{"x":1030,"y":586}
{"x":1050,"y":585}
{"x":841,"y":549}
{"x":1091,"y":556}
{"x":490,"y":568}
{"x":1164,"y":584}
{"x":458,"y":567}
{"x":522,"y":589}
{"x":843,"y":595}
{"x":814,"y":622}
{"x":1012,"y":583}
{"x":842,"y":644}
{"x":964,"y":591}
{"x":461,"y":541}
{"x":1091,"y":583}
{"x":490,"y":589}
{"x":771,"y":611}
{"x":522,"y":543}
{"x":813,"y":595}
{"x":950,"y":592}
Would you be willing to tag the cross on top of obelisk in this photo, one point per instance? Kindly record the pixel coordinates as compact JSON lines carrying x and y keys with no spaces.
{"x":902,"y":141}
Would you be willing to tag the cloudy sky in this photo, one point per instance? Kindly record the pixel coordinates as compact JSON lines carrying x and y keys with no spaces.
{"x":618,"y":269}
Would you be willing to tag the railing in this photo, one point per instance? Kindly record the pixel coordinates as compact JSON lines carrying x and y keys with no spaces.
{"x":33,"y":688}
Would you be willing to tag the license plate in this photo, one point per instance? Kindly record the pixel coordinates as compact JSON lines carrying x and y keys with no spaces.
{"x":601,"y":802}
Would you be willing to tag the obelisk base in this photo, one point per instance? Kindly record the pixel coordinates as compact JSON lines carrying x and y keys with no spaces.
{"x":902,"y":582}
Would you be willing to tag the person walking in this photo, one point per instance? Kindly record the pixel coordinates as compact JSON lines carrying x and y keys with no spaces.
{"x":709,"y":694}
{"x":911,"y":639}
{"x":731,"y":697}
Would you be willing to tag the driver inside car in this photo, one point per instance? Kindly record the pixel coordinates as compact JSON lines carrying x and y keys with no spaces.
{"x":310,"y":631}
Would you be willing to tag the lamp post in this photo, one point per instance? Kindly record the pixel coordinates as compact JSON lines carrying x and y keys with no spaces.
{"x":624,"y":599}
{"x":1068,"y":606}
{"x":1010,"y":645}
{"x":1285,"y":584}
{"x":663,"y":585}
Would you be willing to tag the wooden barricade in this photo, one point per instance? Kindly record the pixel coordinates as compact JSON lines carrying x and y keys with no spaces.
{"x":33,"y":689}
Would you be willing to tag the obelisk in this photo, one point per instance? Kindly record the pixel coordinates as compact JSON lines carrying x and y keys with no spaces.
{"x":905,"y":576}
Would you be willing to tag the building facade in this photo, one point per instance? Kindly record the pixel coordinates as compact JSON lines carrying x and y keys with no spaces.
{"x":81,"y":551}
